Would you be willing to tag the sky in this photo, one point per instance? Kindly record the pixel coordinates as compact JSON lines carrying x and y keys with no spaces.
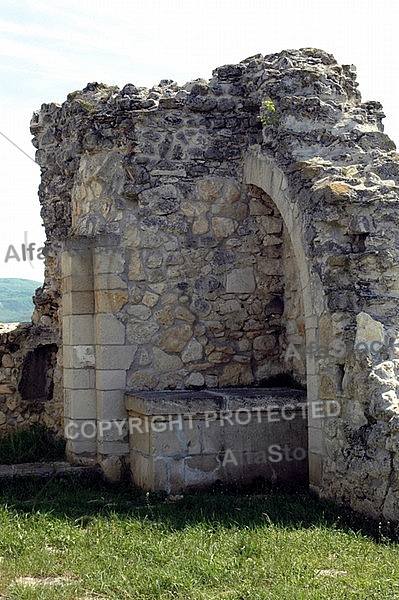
{"x":51,"y":48}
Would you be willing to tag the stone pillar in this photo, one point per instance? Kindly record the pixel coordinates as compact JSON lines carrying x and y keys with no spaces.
{"x":78,"y":351}
{"x":113,"y":356}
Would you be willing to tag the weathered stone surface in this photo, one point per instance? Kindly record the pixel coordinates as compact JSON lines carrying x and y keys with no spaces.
{"x":163,"y":362}
{"x":241,"y":281}
{"x":183,"y":439}
{"x":195,"y":380}
{"x":192,"y":352}
{"x":175,"y":338}
{"x":266,"y":234}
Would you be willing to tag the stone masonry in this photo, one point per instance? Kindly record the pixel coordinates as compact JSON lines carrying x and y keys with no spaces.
{"x":193,"y":246}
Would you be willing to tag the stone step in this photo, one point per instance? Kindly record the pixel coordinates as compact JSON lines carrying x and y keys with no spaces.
{"x":46,"y":470}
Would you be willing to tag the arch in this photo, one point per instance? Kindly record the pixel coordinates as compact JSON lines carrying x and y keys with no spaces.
{"x":264,"y":172}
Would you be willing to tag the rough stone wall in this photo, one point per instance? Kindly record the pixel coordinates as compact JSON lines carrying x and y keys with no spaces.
{"x":156,"y":185}
{"x":30,"y":378}
{"x":31,"y":386}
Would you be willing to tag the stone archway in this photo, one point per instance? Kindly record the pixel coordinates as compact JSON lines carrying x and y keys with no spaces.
{"x":131,"y":173}
{"x":263,"y":172}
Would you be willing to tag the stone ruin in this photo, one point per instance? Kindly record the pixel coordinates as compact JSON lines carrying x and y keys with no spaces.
{"x":212,"y":278}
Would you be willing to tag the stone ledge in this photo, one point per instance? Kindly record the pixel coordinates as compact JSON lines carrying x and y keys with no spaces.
{"x":44,"y":469}
{"x":191,"y":401}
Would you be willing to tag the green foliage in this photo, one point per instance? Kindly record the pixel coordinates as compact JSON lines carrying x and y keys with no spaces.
{"x":268,"y":115}
{"x":33,"y":444}
{"x":16,"y":303}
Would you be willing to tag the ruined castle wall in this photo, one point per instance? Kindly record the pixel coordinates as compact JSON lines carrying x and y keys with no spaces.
{"x":191,"y":276}
{"x":30,"y":378}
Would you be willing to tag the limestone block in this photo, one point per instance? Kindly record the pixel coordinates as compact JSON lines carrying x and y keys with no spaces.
{"x":79,"y":379}
{"x":229,"y":306}
{"x":140,"y":332}
{"x":78,"y":330}
{"x":144,"y":357}
{"x":265,"y":345}
{"x":165,"y":316}
{"x":182,"y":313}
{"x":236,"y":375}
{"x":136,"y":270}
{"x":197,"y":380}
{"x":79,"y":357}
{"x":109,"y":300}
{"x":111,"y":405}
{"x":241,"y":281}
{"x":174,"y":436}
{"x":107,"y":379}
{"x":315,"y":464}
{"x":82,"y":432}
{"x":108,"y":330}
{"x":210,"y":188}
{"x":192,"y":352}
{"x":175,"y":338}
{"x":132,"y":237}
{"x":77,"y":303}
{"x":7,"y":361}
{"x":112,"y":467}
{"x":139,"y":311}
{"x":148,"y":473}
{"x":108,"y":260}
{"x":80,"y":450}
{"x":163,"y":362}
{"x":150,"y":299}
{"x":112,"y":430}
{"x":109,"y":281}
{"x":12,"y":403}
{"x":145,"y":379}
{"x":115,"y":357}
{"x":80,"y":275}
{"x":223,"y":227}
{"x":80,"y":404}
{"x":154,"y":260}
{"x":368,"y":331}
{"x":218,"y":357}
{"x":200,"y":226}
{"x":258,"y":207}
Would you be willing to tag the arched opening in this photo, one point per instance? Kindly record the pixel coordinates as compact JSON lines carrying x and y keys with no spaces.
{"x":261,"y":171}
{"x":284,"y":323}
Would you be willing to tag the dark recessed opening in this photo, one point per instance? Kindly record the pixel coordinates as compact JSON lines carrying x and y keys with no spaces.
{"x":282,"y":380}
{"x":37,"y":374}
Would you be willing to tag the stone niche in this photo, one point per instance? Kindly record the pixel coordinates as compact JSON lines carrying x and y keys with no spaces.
{"x":211,"y":304}
{"x":192,"y":249}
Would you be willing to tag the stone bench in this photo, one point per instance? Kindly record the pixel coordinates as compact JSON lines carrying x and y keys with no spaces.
{"x":183,"y":439}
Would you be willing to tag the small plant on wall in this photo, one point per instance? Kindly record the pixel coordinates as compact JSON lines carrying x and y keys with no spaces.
{"x":268,"y":115}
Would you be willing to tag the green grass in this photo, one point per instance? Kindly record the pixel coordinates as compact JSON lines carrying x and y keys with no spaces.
{"x":33,"y":444}
{"x":119,"y":543}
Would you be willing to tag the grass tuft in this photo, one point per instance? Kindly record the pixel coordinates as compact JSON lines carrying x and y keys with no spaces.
{"x":33,"y":444}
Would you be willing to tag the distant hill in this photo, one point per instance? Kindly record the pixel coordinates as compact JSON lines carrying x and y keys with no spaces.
{"x":16,"y":299}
